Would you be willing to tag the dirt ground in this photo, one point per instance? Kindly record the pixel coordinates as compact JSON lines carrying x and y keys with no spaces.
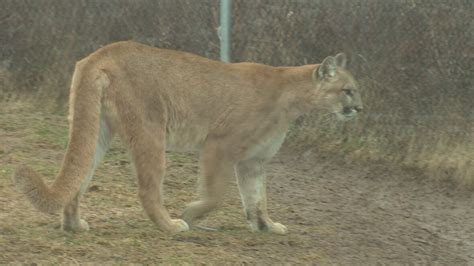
{"x":337,"y":213}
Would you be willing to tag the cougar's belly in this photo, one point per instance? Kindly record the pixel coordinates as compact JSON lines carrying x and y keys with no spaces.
{"x":185,"y":139}
{"x":267,"y":148}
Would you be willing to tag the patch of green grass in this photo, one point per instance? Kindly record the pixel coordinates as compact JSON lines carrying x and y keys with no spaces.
{"x":117,"y":153}
{"x":54,"y":135}
{"x":47,"y":169}
{"x":10,"y":126}
{"x":181,"y":158}
{"x":184,"y":259}
{"x":6,"y":170}
{"x":8,"y":230}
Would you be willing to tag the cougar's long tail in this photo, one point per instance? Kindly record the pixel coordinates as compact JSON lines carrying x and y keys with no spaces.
{"x":85,"y":108}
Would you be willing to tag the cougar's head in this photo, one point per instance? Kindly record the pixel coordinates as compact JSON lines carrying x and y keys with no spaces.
{"x":336,"y":87}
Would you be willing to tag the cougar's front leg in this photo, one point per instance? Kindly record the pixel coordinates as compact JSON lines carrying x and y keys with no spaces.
{"x":252,"y":186}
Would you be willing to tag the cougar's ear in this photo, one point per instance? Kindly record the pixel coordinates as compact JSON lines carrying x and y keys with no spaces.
{"x":341,"y":60}
{"x":327,"y":68}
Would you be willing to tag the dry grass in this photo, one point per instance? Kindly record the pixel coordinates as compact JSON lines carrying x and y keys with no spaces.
{"x":337,"y":214}
{"x":121,"y":232}
{"x":437,"y":152}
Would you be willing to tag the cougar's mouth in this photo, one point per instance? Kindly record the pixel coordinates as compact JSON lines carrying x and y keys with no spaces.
{"x":348,"y":113}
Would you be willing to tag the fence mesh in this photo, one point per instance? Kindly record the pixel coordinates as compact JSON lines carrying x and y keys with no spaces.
{"x":414,"y":60}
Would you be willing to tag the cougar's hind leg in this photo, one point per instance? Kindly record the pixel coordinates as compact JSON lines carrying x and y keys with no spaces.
{"x":252,"y":187}
{"x":147,"y":146}
{"x":71,"y":220}
{"x":149,"y":157}
{"x":217,"y":170}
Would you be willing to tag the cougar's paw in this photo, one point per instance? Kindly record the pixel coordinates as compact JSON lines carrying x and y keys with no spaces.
{"x":277,"y":228}
{"x":81,"y":227}
{"x":179,"y":225}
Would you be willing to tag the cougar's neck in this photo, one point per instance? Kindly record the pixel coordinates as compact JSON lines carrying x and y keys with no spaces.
{"x":296,"y":86}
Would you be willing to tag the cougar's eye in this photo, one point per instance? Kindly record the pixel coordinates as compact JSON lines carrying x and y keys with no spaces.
{"x":348,"y":92}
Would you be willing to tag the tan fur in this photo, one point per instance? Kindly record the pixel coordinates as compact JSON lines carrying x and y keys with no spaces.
{"x":237,"y":115}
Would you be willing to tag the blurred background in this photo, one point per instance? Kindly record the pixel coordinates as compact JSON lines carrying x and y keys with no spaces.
{"x":414,"y":60}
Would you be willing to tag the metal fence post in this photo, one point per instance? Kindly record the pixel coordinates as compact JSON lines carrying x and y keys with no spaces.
{"x":225,"y":29}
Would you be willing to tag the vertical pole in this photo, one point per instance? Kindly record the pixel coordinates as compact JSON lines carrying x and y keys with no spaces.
{"x":225,"y":29}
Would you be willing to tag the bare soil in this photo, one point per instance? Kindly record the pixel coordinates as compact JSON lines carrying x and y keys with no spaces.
{"x":337,"y":213}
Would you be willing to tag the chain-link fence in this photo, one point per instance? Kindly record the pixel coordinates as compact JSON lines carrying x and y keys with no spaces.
{"x":414,"y":60}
